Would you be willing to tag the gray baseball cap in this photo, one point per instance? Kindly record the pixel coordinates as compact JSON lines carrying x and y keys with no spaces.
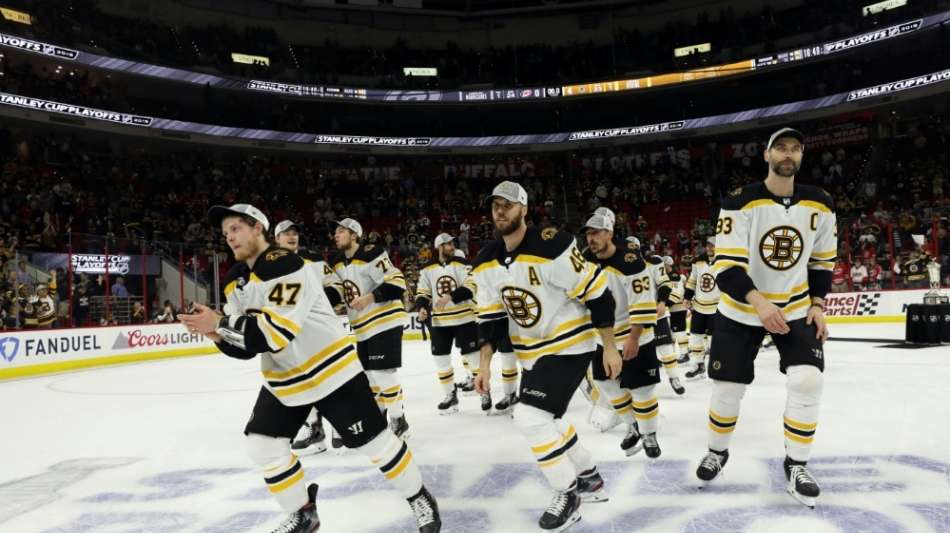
{"x":443,"y":238}
{"x":218,"y":213}
{"x":351,"y":225}
{"x":285,"y":225}
{"x":785,"y":132}
{"x":599,"y":222}
{"x":607,"y":212}
{"x":634,"y":240}
{"x":510,"y":191}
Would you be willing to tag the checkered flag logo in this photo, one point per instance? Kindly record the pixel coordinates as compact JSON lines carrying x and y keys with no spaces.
{"x":867,"y":306}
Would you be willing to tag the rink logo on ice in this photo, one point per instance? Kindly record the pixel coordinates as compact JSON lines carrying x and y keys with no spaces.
{"x":873,"y":493}
{"x":139,"y":339}
{"x":864,"y":304}
{"x":9,"y":346}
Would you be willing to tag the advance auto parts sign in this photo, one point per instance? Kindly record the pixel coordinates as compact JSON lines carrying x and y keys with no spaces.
{"x":868,"y":304}
{"x":24,"y":353}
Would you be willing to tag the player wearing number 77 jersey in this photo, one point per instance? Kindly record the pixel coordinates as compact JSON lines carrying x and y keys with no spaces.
{"x":372,"y":289}
{"x":775,"y":250}
{"x":277,"y":309}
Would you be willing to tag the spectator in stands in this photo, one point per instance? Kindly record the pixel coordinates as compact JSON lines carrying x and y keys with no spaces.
{"x":82,"y":305}
{"x":107,"y":319}
{"x":840,"y":276}
{"x":859,"y":275}
{"x":875,"y":277}
{"x":43,"y":307}
{"x":168,"y":313}
{"x":23,"y":277}
{"x":138,"y":313}
{"x":119,"y":290}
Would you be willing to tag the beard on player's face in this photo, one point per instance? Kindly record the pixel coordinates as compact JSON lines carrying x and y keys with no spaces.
{"x":786,"y":168}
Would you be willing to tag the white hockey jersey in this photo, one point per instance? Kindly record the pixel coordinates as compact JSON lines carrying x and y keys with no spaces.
{"x":439,"y":279}
{"x":676,"y":294}
{"x":776,"y":241}
{"x":369,"y":268}
{"x":542,"y":287}
{"x":280,"y":308}
{"x":659,"y":278}
{"x":702,"y":280}
{"x":631,"y":284}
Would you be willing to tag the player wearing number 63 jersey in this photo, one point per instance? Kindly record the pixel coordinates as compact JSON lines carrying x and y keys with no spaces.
{"x":556,"y":307}
{"x":372,"y":289}
{"x":635,"y":314}
{"x":276,"y":309}
{"x":776,"y":245}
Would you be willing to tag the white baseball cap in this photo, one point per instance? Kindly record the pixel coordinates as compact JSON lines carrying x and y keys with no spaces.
{"x":668,"y":260}
{"x":218,"y":213}
{"x":711,"y":240}
{"x":634,"y":240}
{"x":285,"y":225}
{"x":607,"y":212}
{"x":599,"y":221}
{"x":459,"y":253}
{"x":785,"y":132}
{"x":443,"y":238}
{"x":351,"y":225}
{"x":510,"y":191}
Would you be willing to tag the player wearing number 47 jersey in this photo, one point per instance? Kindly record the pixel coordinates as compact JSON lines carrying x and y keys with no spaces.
{"x":776,"y":246}
{"x":277,"y":309}
{"x":556,"y":307}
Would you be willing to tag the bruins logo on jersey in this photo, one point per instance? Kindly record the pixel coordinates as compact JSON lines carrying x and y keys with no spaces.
{"x":781,"y":247}
{"x":548,"y":233}
{"x":522,"y":306}
{"x":275,"y":255}
{"x":445,"y":285}
{"x":630,"y":258}
{"x":707,"y":283}
{"x":350,"y":291}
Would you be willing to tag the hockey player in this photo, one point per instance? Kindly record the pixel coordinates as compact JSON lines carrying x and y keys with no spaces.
{"x":702,"y":293}
{"x":776,"y":246}
{"x":555,"y":306}
{"x":677,"y":309}
{"x":438,"y":280}
{"x":372,"y":289}
{"x":665,"y":348}
{"x":287,"y":235}
{"x":276,"y":308}
{"x":629,"y":282}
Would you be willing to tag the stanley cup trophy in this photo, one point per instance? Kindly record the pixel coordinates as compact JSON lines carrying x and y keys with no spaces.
{"x":933,"y":296}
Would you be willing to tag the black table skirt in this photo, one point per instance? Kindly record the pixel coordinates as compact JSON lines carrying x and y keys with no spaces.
{"x":928,"y":324}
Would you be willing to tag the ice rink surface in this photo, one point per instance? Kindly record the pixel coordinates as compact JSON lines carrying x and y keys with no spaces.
{"x":158,"y":447}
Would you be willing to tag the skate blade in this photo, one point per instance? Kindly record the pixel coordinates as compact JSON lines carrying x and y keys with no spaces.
{"x":807,"y":501}
{"x":698,"y":377}
{"x":571,"y":520}
{"x":502,"y":412}
{"x":704,"y":484}
{"x":313,"y":449}
{"x":449,"y":411}
{"x":595,"y":497}
{"x":637,"y":448}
